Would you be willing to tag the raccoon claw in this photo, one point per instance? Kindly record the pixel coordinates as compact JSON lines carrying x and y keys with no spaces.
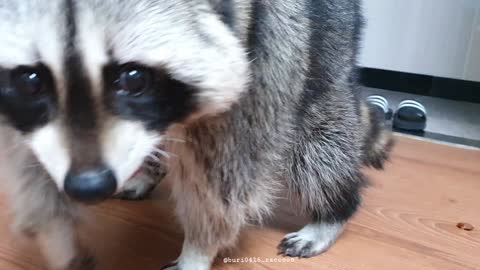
{"x":171,"y":266}
{"x":312,"y":240}
{"x":138,"y":194}
{"x":294,"y":246}
{"x":138,"y":188}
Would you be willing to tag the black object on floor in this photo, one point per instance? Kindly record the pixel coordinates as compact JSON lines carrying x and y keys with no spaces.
{"x":410,"y":115}
{"x":381,"y":107}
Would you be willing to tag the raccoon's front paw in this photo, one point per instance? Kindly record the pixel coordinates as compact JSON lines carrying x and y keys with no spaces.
{"x":139,"y":187}
{"x":312,"y":240}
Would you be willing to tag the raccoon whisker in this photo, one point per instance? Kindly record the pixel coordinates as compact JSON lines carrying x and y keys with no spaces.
{"x":173,"y":139}
{"x":154,"y":158}
{"x":154,"y":162}
{"x":32,"y":166}
{"x":163,"y":153}
{"x":252,"y":60}
{"x":157,"y":152}
{"x":153,"y":166}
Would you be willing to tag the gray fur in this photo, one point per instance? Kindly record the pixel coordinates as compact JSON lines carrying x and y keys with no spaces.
{"x":38,"y":209}
{"x":281,"y":130}
{"x":275,"y":107}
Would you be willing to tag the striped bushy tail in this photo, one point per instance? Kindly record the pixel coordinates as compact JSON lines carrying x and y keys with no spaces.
{"x":378,"y":141}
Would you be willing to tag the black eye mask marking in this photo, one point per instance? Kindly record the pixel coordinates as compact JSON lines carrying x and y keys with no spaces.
{"x":27,"y":96}
{"x":136,"y":92}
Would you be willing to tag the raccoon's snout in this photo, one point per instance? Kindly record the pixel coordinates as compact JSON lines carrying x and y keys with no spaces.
{"x":92,"y":185}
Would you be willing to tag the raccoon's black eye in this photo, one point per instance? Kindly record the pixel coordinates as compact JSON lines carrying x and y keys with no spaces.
{"x":133,"y":80}
{"x":28,"y":81}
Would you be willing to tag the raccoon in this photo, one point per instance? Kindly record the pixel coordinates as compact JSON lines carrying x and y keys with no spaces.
{"x":231,"y":101}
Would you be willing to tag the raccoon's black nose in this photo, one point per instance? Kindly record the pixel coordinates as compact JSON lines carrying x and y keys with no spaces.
{"x":91,"y":185}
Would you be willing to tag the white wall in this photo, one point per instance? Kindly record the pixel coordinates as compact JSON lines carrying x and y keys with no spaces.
{"x":472,"y":69}
{"x":433,"y":37}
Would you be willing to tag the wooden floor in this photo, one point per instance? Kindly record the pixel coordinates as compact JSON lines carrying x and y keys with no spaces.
{"x":408,"y":221}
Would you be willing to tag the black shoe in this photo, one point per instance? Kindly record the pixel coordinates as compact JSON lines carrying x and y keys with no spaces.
{"x":410,"y":115}
{"x":380,"y":106}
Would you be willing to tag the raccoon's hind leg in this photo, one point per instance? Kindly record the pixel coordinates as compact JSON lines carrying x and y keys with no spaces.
{"x":140,"y":186}
{"x":327,"y":185}
{"x":324,"y":174}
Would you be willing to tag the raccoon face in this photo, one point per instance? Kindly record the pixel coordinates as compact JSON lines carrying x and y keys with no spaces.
{"x":93,"y":85}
